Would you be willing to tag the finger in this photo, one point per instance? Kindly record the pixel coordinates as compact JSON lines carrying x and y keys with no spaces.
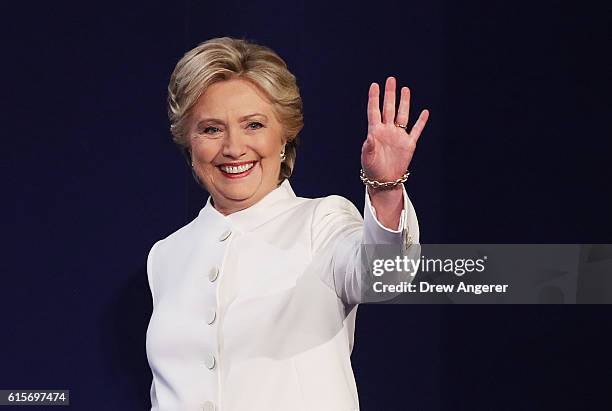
{"x":388,"y":115}
{"x":419,"y":125}
{"x":373,"y":107}
{"x":404,"y":106}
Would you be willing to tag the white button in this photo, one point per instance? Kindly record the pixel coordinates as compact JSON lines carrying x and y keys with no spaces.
{"x":213,"y":274}
{"x":225,"y":235}
{"x":210,"y":361}
{"x":208,"y":406}
{"x":211,"y":315}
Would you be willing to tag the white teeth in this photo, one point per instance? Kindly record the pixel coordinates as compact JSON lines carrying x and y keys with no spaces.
{"x":237,"y":169}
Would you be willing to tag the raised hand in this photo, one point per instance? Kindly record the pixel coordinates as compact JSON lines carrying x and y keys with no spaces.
{"x":388,"y":149}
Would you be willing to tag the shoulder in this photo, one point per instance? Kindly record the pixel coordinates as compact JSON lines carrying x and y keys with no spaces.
{"x":334,"y":218}
{"x":171,"y":249}
{"x":319,"y":207}
{"x":176,"y":241}
{"x":335,"y":205}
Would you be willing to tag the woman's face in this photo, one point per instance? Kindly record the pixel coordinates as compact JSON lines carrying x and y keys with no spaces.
{"x":236,"y":142}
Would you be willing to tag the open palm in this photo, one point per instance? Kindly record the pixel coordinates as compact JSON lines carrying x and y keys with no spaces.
{"x":388,"y":149}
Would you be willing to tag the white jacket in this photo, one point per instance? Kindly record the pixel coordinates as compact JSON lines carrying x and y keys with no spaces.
{"x":256,"y":310}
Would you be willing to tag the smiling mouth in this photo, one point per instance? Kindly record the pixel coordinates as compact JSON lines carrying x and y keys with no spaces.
{"x":236,"y":170}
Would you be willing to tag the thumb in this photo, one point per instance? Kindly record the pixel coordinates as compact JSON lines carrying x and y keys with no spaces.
{"x":368,"y":145}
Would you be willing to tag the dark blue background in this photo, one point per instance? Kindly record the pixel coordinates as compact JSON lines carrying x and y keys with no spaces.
{"x":517,"y":151}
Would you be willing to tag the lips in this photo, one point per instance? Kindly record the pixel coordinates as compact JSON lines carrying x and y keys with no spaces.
{"x":237,"y":170}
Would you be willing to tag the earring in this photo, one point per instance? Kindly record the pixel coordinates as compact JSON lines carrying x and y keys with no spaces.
{"x":282,"y":155}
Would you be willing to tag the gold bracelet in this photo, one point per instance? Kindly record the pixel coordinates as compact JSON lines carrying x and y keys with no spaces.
{"x":385,"y":184}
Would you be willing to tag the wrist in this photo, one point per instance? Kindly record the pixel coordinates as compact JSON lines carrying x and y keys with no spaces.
{"x":382,"y":184}
{"x":386,"y":193}
{"x":387,"y":205}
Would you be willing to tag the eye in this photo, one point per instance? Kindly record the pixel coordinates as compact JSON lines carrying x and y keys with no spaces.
{"x":257,"y":125}
{"x":211,"y":130}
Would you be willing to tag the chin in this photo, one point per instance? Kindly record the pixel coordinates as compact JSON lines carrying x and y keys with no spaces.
{"x":239,"y":193}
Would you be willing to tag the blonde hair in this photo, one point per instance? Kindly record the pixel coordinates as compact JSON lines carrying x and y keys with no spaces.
{"x":224,"y":58}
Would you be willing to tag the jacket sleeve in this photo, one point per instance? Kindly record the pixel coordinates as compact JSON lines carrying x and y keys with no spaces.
{"x":150,"y":263}
{"x":154,"y":404}
{"x":338,"y":233}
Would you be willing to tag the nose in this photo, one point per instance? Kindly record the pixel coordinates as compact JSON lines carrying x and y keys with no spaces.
{"x":234,"y":144}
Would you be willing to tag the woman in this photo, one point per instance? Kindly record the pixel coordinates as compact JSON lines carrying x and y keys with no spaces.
{"x":255,"y":299}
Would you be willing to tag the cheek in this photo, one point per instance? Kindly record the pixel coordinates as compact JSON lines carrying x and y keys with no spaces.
{"x":268,"y":146}
{"x":204,"y":152}
{"x":271,"y":166}
{"x":270,"y":156}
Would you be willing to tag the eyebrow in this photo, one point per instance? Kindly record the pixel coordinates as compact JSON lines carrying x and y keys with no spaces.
{"x":216,"y":120}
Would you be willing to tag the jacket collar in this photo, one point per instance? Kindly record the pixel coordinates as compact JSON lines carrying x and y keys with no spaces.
{"x":274,"y":203}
